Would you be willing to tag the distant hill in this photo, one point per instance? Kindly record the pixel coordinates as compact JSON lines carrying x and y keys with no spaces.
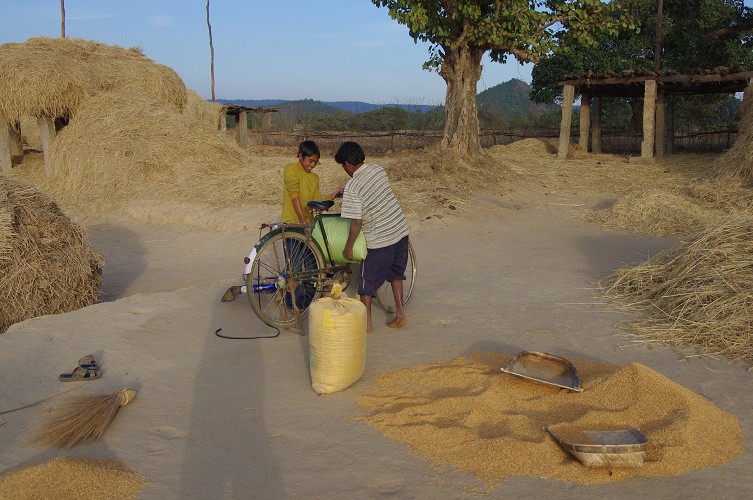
{"x":509,"y":99}
{"x":326,"y":107}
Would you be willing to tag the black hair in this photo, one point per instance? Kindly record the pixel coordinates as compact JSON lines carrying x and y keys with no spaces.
{"x":350,"y":152}
{"x":308,"y":148}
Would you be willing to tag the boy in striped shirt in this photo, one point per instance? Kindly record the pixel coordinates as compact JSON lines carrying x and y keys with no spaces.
{"x":370,"y":204}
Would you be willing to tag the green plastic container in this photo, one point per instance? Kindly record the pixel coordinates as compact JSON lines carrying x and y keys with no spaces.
{"x":337,"y":230}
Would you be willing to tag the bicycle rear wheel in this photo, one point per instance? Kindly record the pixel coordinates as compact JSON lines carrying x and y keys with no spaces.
{"x":384,"y":293}
{"x":273,"y":283}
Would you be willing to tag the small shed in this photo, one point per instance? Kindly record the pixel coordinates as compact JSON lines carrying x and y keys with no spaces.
{"x":241,"y":119}
{"x":658,"y":92}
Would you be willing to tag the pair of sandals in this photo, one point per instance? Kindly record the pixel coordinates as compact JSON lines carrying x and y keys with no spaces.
{"x":87,"y":369}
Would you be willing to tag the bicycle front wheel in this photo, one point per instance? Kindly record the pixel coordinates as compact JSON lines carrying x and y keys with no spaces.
{"x":384,"y":293}
{"x":285,"y":274}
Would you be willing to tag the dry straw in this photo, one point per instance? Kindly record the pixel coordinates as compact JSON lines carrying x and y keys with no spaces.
{"x":737,"y":163}
{"x":46,"y":265}
{"x":53,"y":76}
{"x":81,"y":419}
{"x":655,"y":212}
{"x":697,"y":295}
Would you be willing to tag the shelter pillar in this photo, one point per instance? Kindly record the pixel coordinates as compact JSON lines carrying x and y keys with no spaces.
{"x":568,"y":96}
{"x":585,"y":121}
{"x":649,"y":123}
{"x":16,"y":142}
{"x":6,"y":161}
{"x":660,"y":124}
{"x":596,"y":126}
{"x":223,"y":121}
{"x":241,"y":129}
{"x":47,"y":132}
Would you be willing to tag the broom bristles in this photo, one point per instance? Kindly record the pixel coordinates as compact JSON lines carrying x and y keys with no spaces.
{"x":81,"y":419}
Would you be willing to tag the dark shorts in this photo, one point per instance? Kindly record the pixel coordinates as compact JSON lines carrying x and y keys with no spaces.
{"x":382,"y":264}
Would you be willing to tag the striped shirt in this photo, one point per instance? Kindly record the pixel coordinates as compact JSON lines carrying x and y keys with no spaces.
{"x":368,"y":196}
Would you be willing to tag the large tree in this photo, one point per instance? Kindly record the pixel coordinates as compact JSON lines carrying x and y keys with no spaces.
{"x":460,"y":32}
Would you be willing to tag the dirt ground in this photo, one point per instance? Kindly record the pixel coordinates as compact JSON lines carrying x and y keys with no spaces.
{"x":502,"y":272}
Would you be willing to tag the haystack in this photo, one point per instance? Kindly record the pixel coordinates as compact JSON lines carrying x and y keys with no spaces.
{"x":124,"y":146}
{"x":654,"y":212}
{"x":737,"y":163}
{"x":52,"y":77}
{"x":46,"y":266}
{"x":698,"y":295}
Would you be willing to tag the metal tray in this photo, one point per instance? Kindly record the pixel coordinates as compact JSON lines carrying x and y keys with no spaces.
{"x":544,"y":368}
{"x":613,"y":448}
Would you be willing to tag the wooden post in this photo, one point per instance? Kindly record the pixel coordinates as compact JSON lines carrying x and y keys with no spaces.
{"x":568,"y":96}
{"x":660,"y":125}
{"x":47,"y":132}
{"x":223,"y":120}
{"x":6,"y":162}
{"x":243,"y":129}
{"x":585,"y":121}
{"x":596,"y":133}
{"x":649,"y":123}
{"x":16,"y":142}
{"x":670,"y":118}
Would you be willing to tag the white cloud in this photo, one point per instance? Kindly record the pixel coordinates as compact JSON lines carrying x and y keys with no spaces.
{"x":161,"y":20}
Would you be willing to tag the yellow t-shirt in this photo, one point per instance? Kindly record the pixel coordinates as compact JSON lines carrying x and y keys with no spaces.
{"x":297,"y":183}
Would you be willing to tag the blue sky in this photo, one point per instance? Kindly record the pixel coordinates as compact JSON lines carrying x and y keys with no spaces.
{"x":327,"y":50}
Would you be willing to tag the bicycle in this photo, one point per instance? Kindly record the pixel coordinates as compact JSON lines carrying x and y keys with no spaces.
{"x":287,"y":270}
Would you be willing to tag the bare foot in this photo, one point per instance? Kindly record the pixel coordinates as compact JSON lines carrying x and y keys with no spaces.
{"x":397,"y":323}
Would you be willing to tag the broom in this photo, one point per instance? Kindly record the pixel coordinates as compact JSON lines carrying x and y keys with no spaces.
{"x":82,"y":419}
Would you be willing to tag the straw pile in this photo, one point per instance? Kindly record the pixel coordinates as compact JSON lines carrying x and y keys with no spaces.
{"x":467,"y":414}
{"x":654,"y":212}
{"x":124,"y":145}
{"x":54,"y":76}
{"x":46,"y":266}
{"x":71,"y":478}
{"x":698,"y":295}
{"x":737,"y":163}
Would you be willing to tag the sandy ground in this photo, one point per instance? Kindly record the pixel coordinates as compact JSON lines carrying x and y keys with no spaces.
{"x":218,"y":418}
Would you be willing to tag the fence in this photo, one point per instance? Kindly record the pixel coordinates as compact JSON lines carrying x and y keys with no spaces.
{"x":379,"y":142}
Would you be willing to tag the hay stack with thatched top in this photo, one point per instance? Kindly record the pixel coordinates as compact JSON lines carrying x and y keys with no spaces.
{"x":46,"y":266}
{"x":51,"y":77}
{"x":124,"y":146}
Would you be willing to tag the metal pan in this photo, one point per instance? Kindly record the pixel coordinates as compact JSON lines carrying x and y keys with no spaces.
{"x":612,"y":448}
{"x":544,"y":368}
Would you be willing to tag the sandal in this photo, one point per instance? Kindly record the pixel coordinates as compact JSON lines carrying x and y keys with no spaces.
{"x":88,"y":362}
{"x":80,"y":374}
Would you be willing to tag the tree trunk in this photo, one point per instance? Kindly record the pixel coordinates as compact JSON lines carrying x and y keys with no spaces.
{"x":211,"y":51}
{"x":461,"y":70}
{"x":62,"y":18}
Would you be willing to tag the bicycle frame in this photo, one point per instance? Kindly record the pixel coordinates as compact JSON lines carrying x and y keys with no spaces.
{"x":306,"y":229}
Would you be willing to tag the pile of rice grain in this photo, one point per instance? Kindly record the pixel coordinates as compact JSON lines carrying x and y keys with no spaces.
{"x":468,"y":414}
{"x":73,"y":478}
{"x":46,"y":265}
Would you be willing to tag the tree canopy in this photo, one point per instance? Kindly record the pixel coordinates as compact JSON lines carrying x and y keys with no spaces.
{"x":696,"y":34}
{"x":461,"y":32}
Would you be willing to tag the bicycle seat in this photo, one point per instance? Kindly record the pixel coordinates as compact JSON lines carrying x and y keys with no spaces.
{"x":321,"y":205}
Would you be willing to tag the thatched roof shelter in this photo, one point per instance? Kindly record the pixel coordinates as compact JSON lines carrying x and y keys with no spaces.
{"x":658,"y":91}
{"x":49,"y":79}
